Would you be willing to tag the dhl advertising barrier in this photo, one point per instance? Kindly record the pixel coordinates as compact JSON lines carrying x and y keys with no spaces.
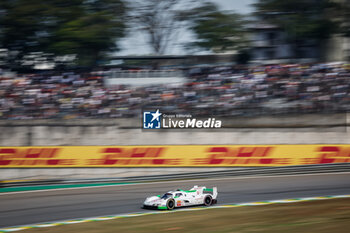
{"x":172,"y":156}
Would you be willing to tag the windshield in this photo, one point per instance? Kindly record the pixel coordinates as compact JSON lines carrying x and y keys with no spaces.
{"x":166,"y":196}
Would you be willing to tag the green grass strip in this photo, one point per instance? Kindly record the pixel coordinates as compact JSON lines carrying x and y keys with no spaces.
{"x":59,"y":186}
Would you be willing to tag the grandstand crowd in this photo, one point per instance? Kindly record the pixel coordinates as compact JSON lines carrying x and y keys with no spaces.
{"x":216,"y":91}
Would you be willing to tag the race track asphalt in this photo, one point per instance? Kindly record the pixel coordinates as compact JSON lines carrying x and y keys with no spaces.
{"x":44,"y":206}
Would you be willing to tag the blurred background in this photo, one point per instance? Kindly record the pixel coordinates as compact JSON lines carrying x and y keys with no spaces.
{"x":111,"y":58}
{"x":76,"y":74}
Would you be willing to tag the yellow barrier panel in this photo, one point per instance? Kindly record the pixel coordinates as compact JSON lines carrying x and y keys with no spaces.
{"x":173,"y":156}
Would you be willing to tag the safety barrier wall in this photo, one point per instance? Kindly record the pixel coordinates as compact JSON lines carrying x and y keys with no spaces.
{"x":299,"y":129}
{"x":172,"y":156}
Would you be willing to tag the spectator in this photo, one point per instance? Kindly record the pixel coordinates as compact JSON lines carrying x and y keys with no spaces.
{"x":223,"y":91}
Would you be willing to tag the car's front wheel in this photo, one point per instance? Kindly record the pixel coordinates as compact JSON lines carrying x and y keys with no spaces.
{"x":170,"y":204}
{"x":208,"y":200}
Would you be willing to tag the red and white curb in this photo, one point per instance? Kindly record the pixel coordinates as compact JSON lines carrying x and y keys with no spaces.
{"x":103,"y":218}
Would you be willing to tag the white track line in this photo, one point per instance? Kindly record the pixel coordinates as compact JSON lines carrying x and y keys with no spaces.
{"x":103,"y":218}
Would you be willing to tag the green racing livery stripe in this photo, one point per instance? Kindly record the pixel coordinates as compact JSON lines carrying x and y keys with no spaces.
{"x":190,"y":191}
{"x":208,"y":190}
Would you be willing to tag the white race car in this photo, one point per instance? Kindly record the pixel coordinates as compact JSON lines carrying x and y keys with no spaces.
{"x":179,"y":198}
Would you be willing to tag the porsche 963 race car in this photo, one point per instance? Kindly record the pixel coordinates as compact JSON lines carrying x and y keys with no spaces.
{"x":179,"y":198}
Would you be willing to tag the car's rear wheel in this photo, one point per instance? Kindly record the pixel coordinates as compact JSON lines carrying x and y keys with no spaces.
{"x":170,"y":204}
{"x":208,"y":200}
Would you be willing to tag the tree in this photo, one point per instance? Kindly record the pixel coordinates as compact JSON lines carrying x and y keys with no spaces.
{"x":302,"y":20}
{"x":86,"y":28}
{"x":343,"y":18}
{"x":216,"y":30}
{"x":92,"y":34}
{"x":159,"y":20}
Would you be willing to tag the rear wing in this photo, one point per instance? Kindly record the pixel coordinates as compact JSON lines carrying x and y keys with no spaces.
{"x":213,"y":192}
